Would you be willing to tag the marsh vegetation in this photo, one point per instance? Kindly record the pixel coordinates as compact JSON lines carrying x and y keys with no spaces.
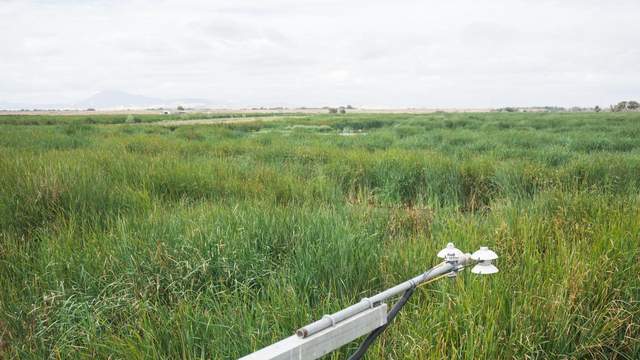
{"x":138,"y":241}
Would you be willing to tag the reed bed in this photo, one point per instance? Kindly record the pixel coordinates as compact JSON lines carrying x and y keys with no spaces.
{"x":139,"y":241}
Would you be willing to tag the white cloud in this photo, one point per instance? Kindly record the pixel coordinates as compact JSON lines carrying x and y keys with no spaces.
{"x":396,"y":54}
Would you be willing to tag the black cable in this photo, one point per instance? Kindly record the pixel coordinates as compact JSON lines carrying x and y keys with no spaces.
{"x":375,"y":333}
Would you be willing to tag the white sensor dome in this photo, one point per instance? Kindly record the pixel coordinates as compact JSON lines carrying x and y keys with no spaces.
{"x":450,"y":250}
{"x":484,"y":254}
{"x":484,"y":268}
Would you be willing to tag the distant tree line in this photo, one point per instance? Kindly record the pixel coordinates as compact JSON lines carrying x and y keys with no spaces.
{"x":621,"y":106}
{"x":339,"y":110}
{"x":625,"y":106}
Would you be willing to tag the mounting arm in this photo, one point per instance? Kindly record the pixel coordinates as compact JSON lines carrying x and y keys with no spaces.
{"x":369,"y":315}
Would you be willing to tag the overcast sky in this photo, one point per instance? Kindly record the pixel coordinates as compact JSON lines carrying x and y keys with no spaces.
{"x":296,"y":53}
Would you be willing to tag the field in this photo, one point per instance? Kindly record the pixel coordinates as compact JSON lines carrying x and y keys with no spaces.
{"x":138,"y":241}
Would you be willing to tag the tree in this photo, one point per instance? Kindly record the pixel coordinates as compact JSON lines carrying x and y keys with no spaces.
{"x":333,"y":110}
{"x":597,"y":108}
{"x":180,"y":108}
{"x":633,"y":105}
{"x":621,"y":106}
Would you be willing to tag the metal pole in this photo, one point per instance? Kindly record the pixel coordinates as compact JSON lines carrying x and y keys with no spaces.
{"x":370,"y":314}
{"x":367,"y":303}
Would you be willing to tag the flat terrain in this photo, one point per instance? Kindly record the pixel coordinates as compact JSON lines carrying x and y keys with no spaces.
{"x":223,"y":120}
{"x":238,"y":111}
{"x":123,"y":239}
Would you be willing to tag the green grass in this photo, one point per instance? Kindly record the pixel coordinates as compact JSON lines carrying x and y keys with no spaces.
{"x":88,"y":119}
{"x":139,"y":241}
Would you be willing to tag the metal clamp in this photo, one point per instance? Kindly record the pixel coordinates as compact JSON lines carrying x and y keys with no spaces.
{"x":333,"y":321}
{"x":368,"y":301}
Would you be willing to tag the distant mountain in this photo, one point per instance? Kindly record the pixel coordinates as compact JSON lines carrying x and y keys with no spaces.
{"x":115,"y":99}
{"x":112,"y":100}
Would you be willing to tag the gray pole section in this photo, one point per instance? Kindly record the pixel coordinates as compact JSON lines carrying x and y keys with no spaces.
{"x":366,"y":303}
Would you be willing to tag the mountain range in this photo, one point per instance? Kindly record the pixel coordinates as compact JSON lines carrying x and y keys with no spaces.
{"x":112,"y":100}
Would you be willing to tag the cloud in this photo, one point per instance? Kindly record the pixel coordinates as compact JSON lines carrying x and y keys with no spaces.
{"x":396,"y":54}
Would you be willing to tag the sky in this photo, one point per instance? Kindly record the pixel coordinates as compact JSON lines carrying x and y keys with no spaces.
{"x":393,"y":54}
